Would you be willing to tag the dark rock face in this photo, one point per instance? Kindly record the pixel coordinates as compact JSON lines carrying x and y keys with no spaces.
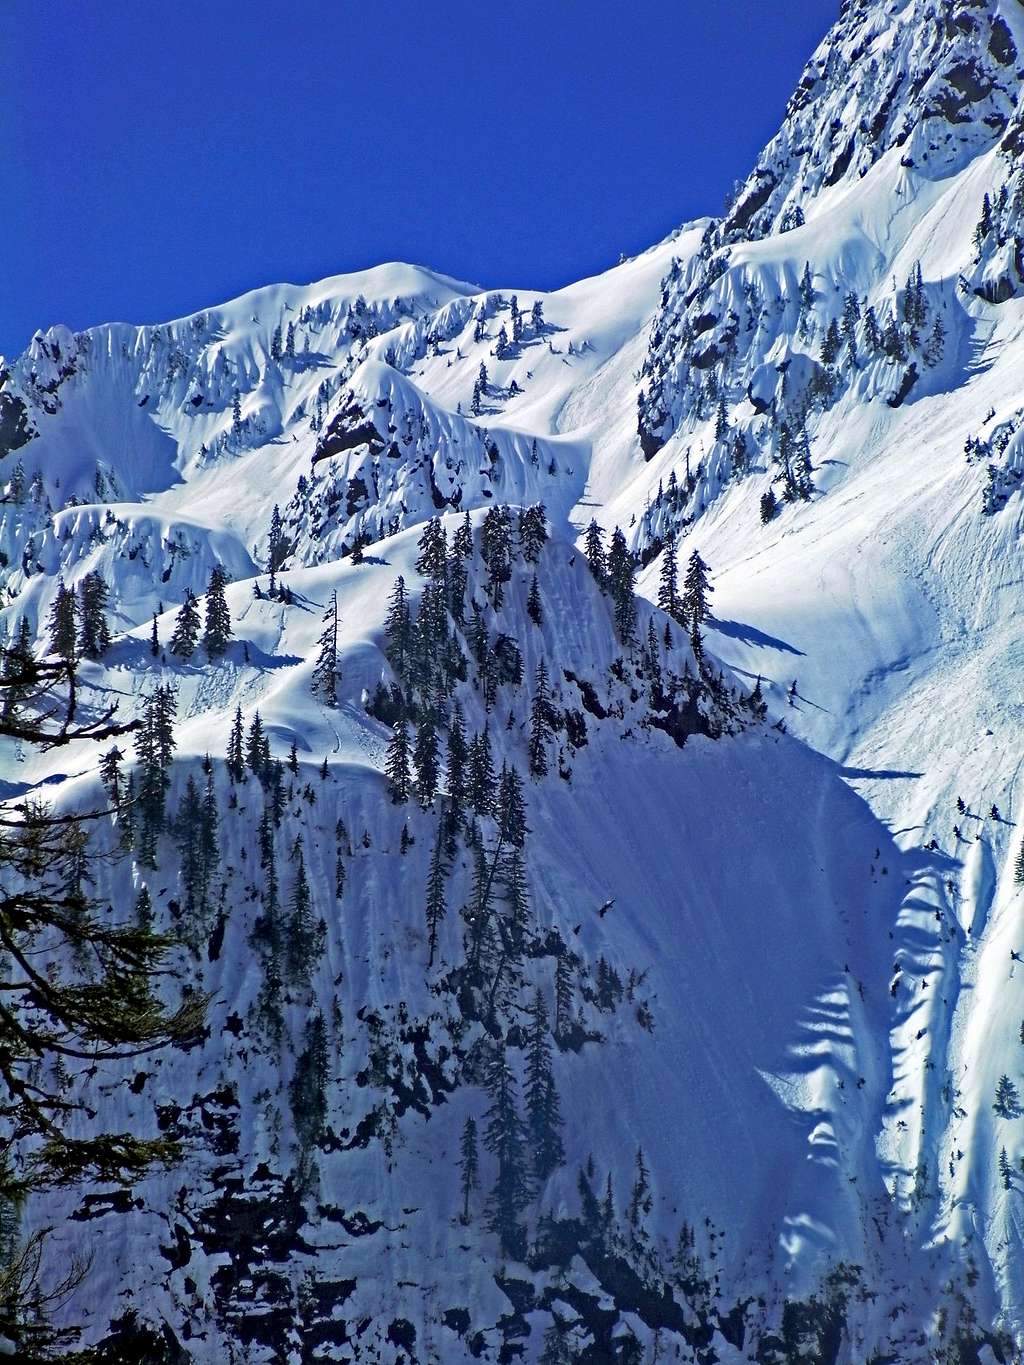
{"x":942,"y":85}
{"x":349,"y":428}
{"x":15,"y":427}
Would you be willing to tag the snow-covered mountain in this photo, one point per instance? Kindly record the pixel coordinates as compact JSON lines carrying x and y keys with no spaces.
{"x":767,"y":897}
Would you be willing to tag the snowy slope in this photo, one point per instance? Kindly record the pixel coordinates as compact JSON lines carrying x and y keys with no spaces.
{"x":819,"y":988}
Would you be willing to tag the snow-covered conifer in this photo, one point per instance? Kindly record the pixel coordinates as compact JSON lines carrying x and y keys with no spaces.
{"x":187,"y":625}
{"x":397,"y":763}
{"x":218,"y":631}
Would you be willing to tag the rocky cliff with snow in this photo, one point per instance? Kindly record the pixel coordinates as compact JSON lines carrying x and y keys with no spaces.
{"x":704,"y":917}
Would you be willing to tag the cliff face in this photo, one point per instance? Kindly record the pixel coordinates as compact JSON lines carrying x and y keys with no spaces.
{"x":938,"y":82}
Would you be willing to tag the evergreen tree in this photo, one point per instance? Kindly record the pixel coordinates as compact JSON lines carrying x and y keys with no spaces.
{"x":209,"y":845}
{"x":1018,"y":867}
{"x":398,"y":629}
{"x":697,"y":647}
{"x":696,"y":589}
{"x":457,"y":756}
{"x":16,"y":489}
{"x":537,"y":317}
{"x":154,"y":638}
{"x":640,"y":1202}
{"x":802,"y":468}
{"x":851,"y":316}
{"x":1007,"y":1101}
{"x":432,"y":561}
{"x":462,"y":541}
{"x":543,"y":1115}
{"x":304,"y":937}
{"x":652,"y":654}
{"x":437,"y":907}
{"x":590,"y":1209}
{"x":469,"y":1165}
{"x":769,"y":506}
{"x":275,"y":343}
{"x":236,"y":752}
{"x":266,"y":837}
{"x":154,"y":748}
{"x":830,"y":344}
{"x":496,"y":552}
{"x":740,"y":455}
{"x":621,"y":579}
{"x":984,"y":225}
{"x":936,"y":344}
{"x":185,"y":635}
{"x":93,"y":631}
{"x":144,"y":909}
{"x":78,"y":981}
{"x":563,"y":996}
{"x":62,"y":623}
{"x":128,"y":814}
{"x":594,"y":551}
{"x":807,"y":289}
{"x":277,"y":547}
{"x":758,"y":705}
{"x":397,"y":763}
{"x":1005,"y":1170}
{"x":478,"y":910}
{"x":218,"y":629}
{"x":915,"y":303}
{"x":510,"y":808}
{"x":668,"y":592}
{"x":533,"y":603}
{"x":187,"y":828}
{"x":268,"y":936}
{"x":511,"y":872}
{"x":892,"y":340}
{"x":505,"y":1139}
{"x":533,"y":532}
{"x":18,"y":677}
{"x":608,"y":1211}
{"x":257,"y":748}
{"x":871,"y":330}
{"x":326,"y":673}
{"x":480,"y":786}
{"x":425,"y":760}
{"x":540,"y":722}
{"x":110,"y":775}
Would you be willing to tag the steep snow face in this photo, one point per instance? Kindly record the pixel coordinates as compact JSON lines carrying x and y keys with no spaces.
{"x":876,"y":602}
{"x":645,"y":904}
{"x":938,"y":82}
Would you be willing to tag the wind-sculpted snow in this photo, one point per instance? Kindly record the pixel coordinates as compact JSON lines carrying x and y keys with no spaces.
{"x":388,"y":458}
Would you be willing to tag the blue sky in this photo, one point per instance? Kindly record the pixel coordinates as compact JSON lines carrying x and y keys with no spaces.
{"x":161,"y":158}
